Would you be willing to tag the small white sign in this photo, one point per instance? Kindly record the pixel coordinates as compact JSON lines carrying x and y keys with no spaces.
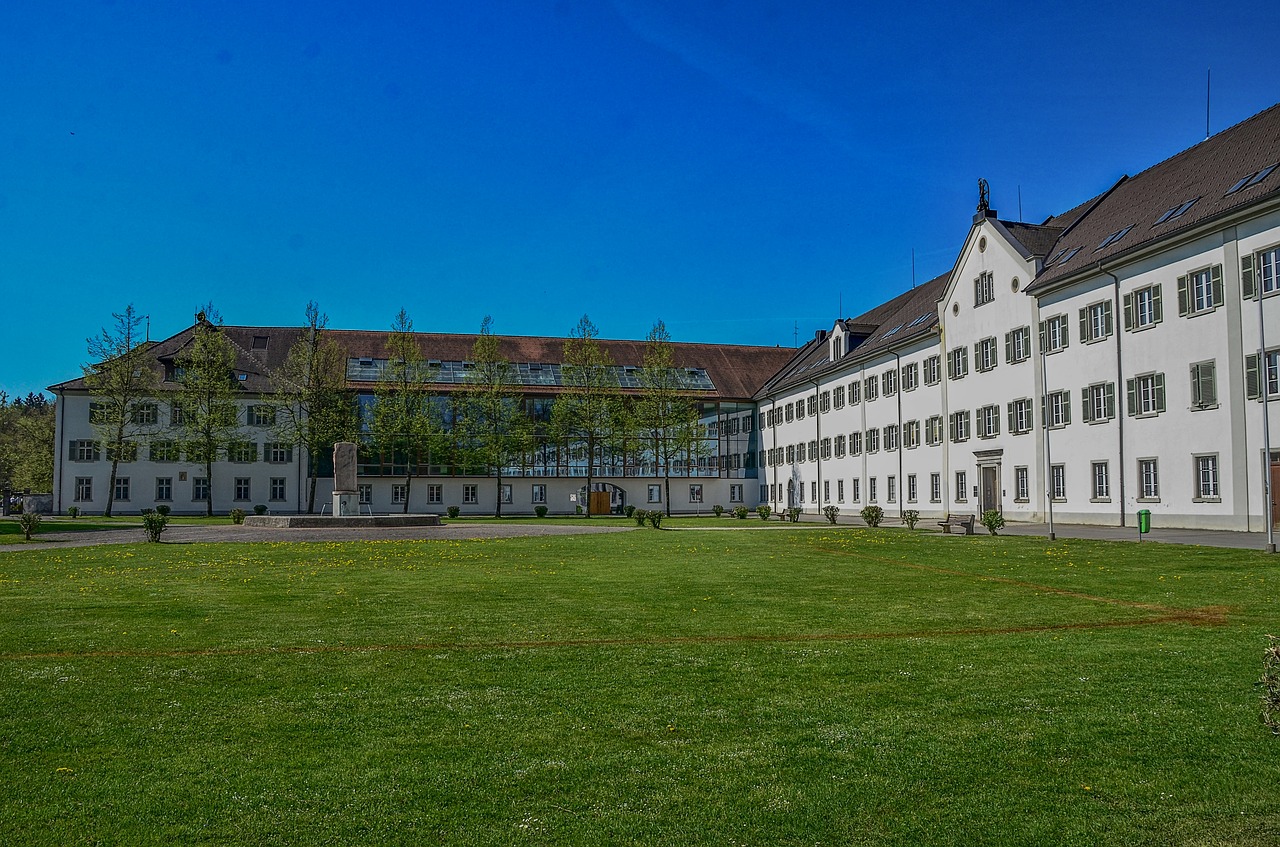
{"x":573,"y":498}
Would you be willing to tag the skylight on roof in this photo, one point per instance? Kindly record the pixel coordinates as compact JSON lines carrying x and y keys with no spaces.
{"x":1064,"y":256}
{"x":1176,"y":211}
{"x":1114,"y":237}
{"x":1251,"y":180}
{"x":919,"y":320}
{"x":892,"y":331}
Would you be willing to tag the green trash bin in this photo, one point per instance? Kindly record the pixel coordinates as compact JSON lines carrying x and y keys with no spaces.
{"x":1144,"y":521}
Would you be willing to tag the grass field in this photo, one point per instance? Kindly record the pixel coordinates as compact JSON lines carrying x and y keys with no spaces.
{"x":811,"y":686}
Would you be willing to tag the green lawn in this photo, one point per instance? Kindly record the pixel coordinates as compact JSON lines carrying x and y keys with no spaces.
{"x":810,"y":686}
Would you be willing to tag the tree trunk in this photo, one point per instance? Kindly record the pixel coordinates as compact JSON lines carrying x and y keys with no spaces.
{"x":111,"y":486}
{"x":311,"y":495}
{"x":208,"y":481}
{"x":497,"y":512}
{"x":408,"y":490}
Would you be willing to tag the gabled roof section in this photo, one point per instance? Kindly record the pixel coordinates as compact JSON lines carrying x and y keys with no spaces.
{"x":1218,"y":176}
{"x":1031,"y":240}
{"x":901,"y":320}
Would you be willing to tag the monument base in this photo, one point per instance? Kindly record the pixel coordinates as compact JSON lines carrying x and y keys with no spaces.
{"x":346,"y":503}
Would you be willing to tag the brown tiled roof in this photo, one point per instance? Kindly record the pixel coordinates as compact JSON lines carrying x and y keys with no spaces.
{"x":1201,"y":175}
{"x":1035,"y":239}
{"x":736,"y":370}
{"x":889,"y":325}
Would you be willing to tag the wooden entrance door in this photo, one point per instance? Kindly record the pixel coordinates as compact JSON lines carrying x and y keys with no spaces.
{"x":599,"y":502}
{"x":990,"y":494}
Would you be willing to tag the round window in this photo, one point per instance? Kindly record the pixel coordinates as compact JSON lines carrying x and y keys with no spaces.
{"x":1015,"y":285}
{"x":955,"y":308}
{"x":982,"y":244}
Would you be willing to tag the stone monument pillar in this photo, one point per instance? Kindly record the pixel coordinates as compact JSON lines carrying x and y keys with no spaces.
{"x":346,"y":499}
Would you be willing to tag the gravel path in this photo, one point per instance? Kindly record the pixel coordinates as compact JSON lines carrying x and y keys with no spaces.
{"x":232,"y":532}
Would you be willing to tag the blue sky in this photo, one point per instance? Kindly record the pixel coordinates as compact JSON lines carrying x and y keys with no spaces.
{"x":736,"y":169}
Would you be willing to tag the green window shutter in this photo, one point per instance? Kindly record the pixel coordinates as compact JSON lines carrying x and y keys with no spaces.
{"x":1158,"y":380}
{"x":1128,"y":311}
{"x":1109,"y":398}
{"x":1157,"y":306}
{"x":1252,"y":383}
{"x":1044,"y":411}
{"x":952,"y":427}
{"x":1183,"y":306}
{"x":1013,"y":420}
{"x":1195,"y":386}
{"x":1086,"y":408}
{"x":1209,"y":383}
{"x":1084,"y":325}
{"x":1215,"y":280}
{"x":1008,"y":346}
{"x":1108,"y":318}
{"x":1066,"y":407}
{"x":1066,"y":334}
{"x":1248,"y":290}
{"x":1043,"y":334}
{"x":1131,"y":389}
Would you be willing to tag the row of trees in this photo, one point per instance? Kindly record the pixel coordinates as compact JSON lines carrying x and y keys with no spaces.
{"x":483,"y":426}
{"x":26,"y":442}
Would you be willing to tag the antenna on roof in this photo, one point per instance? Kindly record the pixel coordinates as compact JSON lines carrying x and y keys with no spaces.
{"x":795,"y":334}
{"x":1019,"y":204}
{"x":840,"y":310}
{"x":913,"y":267}
{"x":1208,"y":85}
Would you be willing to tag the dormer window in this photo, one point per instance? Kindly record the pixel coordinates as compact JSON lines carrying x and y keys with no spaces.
{"x":260,"y":342}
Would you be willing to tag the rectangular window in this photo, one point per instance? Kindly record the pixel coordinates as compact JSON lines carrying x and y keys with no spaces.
{"x":985,"y":355}
{"x":911,"y":488}
{"x":164,"y":451}
{"x":1200,"y":292}
{"x":933,"y":431}
{"x":471,"y":493}
{"x":839,"y":447}
{"x":242,"y":452}
{"x":399,"y":492}
{"x":84,"y":489}
{"x":988,"y":421}
{"x":1149,"y":479}
{"x":1146,"y":395}
{"x":1098,"y":402}
{"x":958,"y":363}
{"x":962,"y":487}
{"x":890,"y":437}
{"x":262,"y":416}
{"x":1054,"y":334}
{"x":435,"y":493}
{"x":855,"y":444}
{"x":812,"y":403}
{"x":1021,"y":485}
{"x":278,"y":454}
{"x":146,"y":414}
{"x":855,"y":489}
{"x":789,"y":412}
{"x":824,"y":402}
{"x":960,"y":426}
{"x":199,"y":488}
{"x":735,"y":493}
{"x":1204,"y":385}
{"x":873,"y":440}
{"x":825,"y":450}
{"x":1017,"y":345}
{"x":1252,"y":381}
{"x":539,"y":493}
{"x":97,"y":413}
{"x":365,"y":492}
{"x":1101,"y":482}
{"x":164,"y":488}
{"x":839,"y":490}
{"x":128,"y":452}
{"x":932,"y":368}
{"x":870,"y":388}
{"x":277,"y":488}
{"x":1143,"y":308}
{"x":910,"y":377}
{"x":1095,"y":322}
{"x":791,"y":454}
{"x":84,"y":451}
{"x":889,"y":382}
{"x":1260,"y":272}
{"x":122,"y":488}
{"x":837,"y":396}
{"x":242,"y":488}
{"x":655,"y":493}
{"x":891,"y":488}
{"x":855,"y":393}
{"x":911,"y":435}
{"x":1019,"y":416}
{"x":695,"y":493}
{"x":871,"y":490}
{"x":813,"y":450}
{"x":1058,"y":482}
{"x":504,"y":493}
{"x":1207,"y":477}
{"x":1056,"y":412}
{"x":984,"y":288}
{"x":935,"y":488}
{"x":826,"y":491}
{"x":177,"y":415}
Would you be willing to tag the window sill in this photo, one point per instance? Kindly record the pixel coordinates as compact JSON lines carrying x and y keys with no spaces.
{"x":1021,"y":500}
{"x":1143,"y":327}
{"x":1206,"y":499}
{"x":1097,"y":340}
{"x":1097,"y":421}
{"x":1148,"y":499}
{"x":1099,"y":499}
{"x":1202,"y":408}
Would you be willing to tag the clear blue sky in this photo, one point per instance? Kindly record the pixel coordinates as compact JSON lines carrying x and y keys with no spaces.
{"x":734,"y":168}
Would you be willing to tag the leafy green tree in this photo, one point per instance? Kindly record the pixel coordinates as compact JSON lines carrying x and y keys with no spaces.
{"x":665,"y":416}
{"x":122,"y":382}
{"x":209,"y":418}
{"x":588,"y":414}
{"x":313,"y":407}
{"x":26,"y":442}
{"x":492,"y":418}
{"x":405,"y":424}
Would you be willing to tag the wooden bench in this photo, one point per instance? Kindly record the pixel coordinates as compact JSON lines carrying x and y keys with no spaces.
{"x":957,"y":521}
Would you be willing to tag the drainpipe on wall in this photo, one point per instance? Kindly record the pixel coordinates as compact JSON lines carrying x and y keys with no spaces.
{"x":817,"y":428}
{"x":902,"y":481}
{"x":1264,"y":373}
{"x":1120,"y":413}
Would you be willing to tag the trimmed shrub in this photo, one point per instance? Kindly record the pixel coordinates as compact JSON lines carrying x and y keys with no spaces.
{"x":73,"y":512}
{"x":911,"y":517}
{"x":831,"y":512}
{"x":30,"y":523}
{"x":454,"y":511}
{"x":993,"y":521}
{"x":237,"y":515}
{"x":718,"y":509}
{"x":628,"y":510}
{"x":741,"y":512}
{"x":540,"y":511}
{"x":153,"y":525}
{"x":793,"y":514}
{"x":764,"y":512}
{"x":259,"y":509}
{"x":163,"y":510}
{"x":655,"y":519}
{"x":640,"y":516}
{"x":872,"y":515}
